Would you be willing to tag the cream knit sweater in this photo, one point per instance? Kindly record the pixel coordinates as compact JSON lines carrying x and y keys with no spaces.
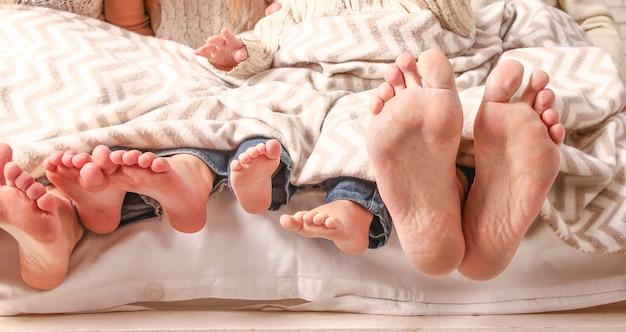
{"x":594,"y":17}
{"x":263,"y":42}
{"x":191,"y":22}
{"x":91,"y":8}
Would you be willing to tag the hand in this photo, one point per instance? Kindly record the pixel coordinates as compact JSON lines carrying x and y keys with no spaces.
{"x":272,"y":8}
{"x":224,"y":51}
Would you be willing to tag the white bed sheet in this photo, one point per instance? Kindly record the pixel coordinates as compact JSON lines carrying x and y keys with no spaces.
{"x":241,"y":261}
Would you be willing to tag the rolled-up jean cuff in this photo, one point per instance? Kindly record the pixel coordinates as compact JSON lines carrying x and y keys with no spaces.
{"x":216,"y":160}
{"x":364,"y":193}
{"x":140,"y":207}
{"x":282,"y":189}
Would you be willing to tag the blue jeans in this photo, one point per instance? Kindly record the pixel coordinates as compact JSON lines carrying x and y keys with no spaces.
{"x":362,"y":192}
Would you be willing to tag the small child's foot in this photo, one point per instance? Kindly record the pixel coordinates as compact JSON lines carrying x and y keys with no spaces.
{"x":98,"y":201}
{"x":516,"y":147}
{"x":180,"y":183}
{"x":344,"y":222}
{"x":412,"y":142}
{"x":251,"y":175}
{"x":44,"y":225}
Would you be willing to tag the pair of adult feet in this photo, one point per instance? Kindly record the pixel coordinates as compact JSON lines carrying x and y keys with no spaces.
{"x":413,"y":144}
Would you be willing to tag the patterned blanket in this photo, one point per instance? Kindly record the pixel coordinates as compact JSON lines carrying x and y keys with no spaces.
{"x":71,"y":82}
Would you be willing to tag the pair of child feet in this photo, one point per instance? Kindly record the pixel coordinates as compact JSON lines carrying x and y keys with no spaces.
{"x":516,"y":155}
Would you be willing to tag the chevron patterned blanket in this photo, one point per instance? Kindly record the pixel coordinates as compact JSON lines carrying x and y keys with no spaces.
{"x":72,"y":82}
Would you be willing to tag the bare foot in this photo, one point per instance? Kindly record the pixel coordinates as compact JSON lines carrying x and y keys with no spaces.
{"x":344,"y":222}
{"x":413,"y":140}
{"x":517,"y":160}
{"x":180,"y":183}
{"x":225,"y":51}
{"x":251,"y":175}
{"x":43,"y":223}
{"x":97,"y":200}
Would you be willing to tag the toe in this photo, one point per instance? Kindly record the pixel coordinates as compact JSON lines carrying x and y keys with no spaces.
{"x":537,"y":82}
{"x":436,"y":70}
{"x":407,"y":65}
{"x":503,"y":82}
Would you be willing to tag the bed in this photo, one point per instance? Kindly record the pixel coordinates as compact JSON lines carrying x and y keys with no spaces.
{"x":78,"y":82}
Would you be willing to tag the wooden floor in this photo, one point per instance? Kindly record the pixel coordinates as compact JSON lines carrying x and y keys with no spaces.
{"x":605,"y":318}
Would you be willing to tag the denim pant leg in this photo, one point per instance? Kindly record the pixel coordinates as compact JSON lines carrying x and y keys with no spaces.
{"x":366,"y":194}
{"x":139,"y":207}
{"x":282,"y":189}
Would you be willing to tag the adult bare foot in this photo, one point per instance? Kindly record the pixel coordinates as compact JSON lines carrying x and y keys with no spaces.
{"x":412,"y":143}
{"x":344,"y":222}
{"x":98,"y":201}
{"x":43,"y":223}
{"x":251,"y":175}
{"x":516,"y":147}
{"x":180,"y":183}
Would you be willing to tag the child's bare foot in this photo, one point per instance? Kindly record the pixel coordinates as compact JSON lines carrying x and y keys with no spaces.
{"x":44,"y":224}
{"x":517,"y":159}
{"x":180,"y":183}
{"x":344,"y":222}
{"x":98,"y":201}
{"x":251,"y":175}
{"x":225,"y":51}
{"x":413,"y":140}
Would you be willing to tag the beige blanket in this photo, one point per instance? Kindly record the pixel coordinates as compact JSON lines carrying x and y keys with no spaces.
{"x":74,"y":82}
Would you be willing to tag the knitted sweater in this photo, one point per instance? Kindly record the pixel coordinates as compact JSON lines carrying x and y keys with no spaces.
{"x":595,"y":19}
{"x":91,"y":8}
{"x":190,"y":22}
{"x":263,"y":42}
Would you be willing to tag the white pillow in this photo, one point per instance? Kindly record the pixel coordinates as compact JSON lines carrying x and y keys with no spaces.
{"x":240,"y":260}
